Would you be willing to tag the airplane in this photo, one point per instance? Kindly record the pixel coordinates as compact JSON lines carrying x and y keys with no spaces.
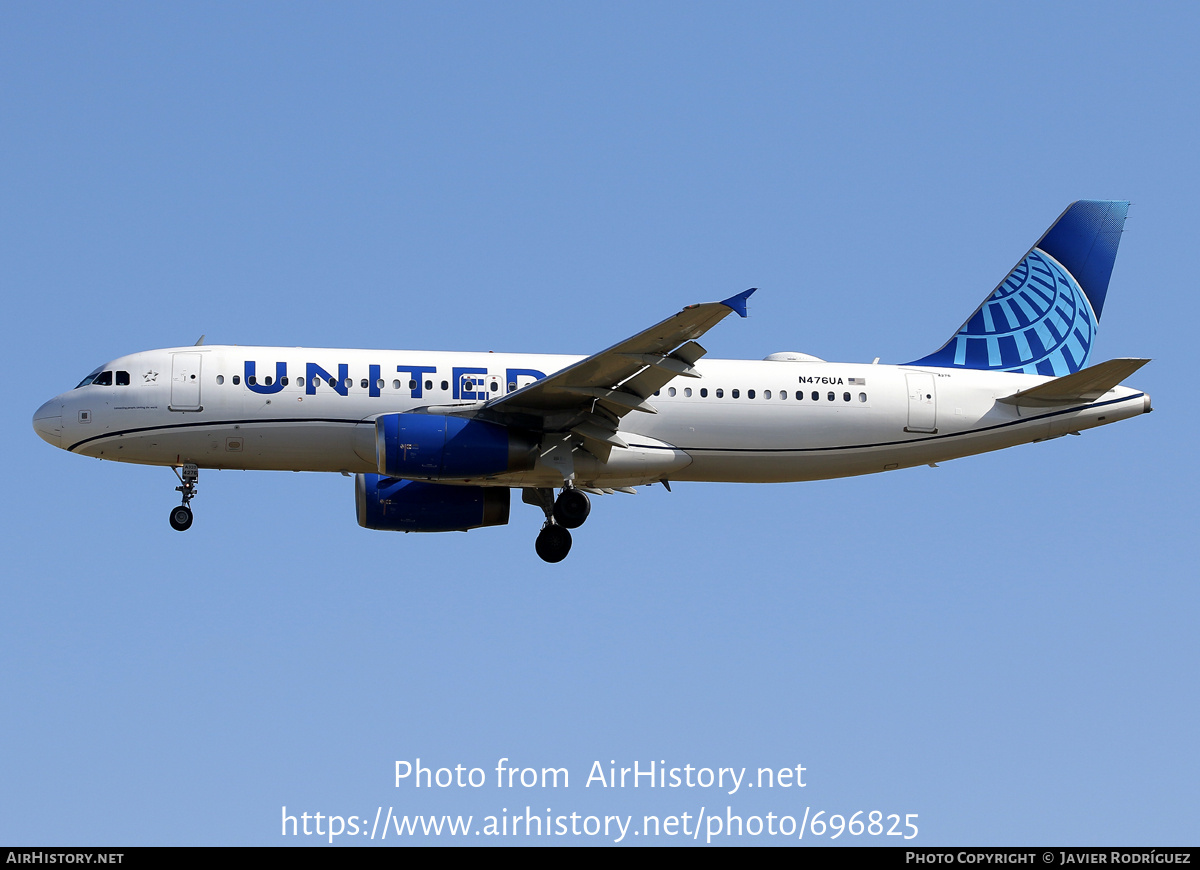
{"x":436,"y":441}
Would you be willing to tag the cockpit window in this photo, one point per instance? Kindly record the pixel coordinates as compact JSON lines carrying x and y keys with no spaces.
{"x":88,"y":379}
{"x":122,"y":379}
{"x":101,"y":379}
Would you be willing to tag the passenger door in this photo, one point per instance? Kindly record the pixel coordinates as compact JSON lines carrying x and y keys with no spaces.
{"x":185,"y":382}
{"x":922,"y":402}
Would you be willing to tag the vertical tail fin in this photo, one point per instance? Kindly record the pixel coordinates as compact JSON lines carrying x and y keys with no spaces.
{"x":1042,"y":318}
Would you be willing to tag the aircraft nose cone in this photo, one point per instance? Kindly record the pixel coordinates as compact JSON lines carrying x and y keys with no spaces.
{"x":47,"y":422}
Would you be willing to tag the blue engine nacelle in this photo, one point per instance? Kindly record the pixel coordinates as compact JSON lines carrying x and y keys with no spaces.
{"x":388,"y":504}
{"x":435,"y":447}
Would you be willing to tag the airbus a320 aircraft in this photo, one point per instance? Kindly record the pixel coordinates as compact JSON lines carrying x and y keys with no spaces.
{"x":436,"y":441}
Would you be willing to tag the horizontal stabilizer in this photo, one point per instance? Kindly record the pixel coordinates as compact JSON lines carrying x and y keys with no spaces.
{"x":1085,"y":385}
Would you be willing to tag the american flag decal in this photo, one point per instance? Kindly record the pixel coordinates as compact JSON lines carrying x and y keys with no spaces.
{"x":857,"y":382}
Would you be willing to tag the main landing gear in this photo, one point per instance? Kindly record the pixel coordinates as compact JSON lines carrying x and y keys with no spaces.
{"x":572,"y":508}
{"x":566,"y":512}
{"x":553,"y":542}
{"x":181,"y":517}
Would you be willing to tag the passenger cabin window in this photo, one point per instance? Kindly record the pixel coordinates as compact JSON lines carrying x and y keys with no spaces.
{"x":237,"y":379}
{"x":220,"y":379}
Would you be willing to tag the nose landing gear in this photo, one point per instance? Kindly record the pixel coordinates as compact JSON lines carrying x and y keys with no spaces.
{"x":181,"y":517}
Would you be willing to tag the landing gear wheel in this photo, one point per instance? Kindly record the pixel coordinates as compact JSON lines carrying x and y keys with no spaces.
{"x":553,"y":543}
{"x":572,"y":508}
{"x":181,"y":518}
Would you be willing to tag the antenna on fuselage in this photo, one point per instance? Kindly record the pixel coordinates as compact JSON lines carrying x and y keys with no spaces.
{"x":199,"y":341}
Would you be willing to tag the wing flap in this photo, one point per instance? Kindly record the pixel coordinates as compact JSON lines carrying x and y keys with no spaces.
{"x":594,"y":432}
{"x":619,"y":401}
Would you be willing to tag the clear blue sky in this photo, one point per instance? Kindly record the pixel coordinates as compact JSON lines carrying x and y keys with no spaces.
{"x":1005,"y":645}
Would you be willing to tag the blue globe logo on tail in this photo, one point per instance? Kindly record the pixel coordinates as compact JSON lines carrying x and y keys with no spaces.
{"x":1038,"y":322}
{"x":1042,"y":318}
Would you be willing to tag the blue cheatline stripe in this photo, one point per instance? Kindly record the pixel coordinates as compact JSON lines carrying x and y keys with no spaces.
{"x":218,"y":423}
{"x":943,"y":437}
{"x":357,"y":422}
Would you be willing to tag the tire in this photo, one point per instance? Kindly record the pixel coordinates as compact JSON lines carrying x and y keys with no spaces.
{"x":572,"y":508}
{"x":181,"y":518}
{"x":553,"y":543}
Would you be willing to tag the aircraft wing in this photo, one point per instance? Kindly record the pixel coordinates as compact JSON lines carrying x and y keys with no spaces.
{"x":590,"y":397}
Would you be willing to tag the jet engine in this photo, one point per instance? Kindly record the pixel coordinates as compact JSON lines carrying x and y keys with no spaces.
{"x":436,"y":447}
{"x":390,"y":504}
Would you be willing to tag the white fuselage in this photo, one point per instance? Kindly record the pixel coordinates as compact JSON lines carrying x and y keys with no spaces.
{"x":741,"y":420}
